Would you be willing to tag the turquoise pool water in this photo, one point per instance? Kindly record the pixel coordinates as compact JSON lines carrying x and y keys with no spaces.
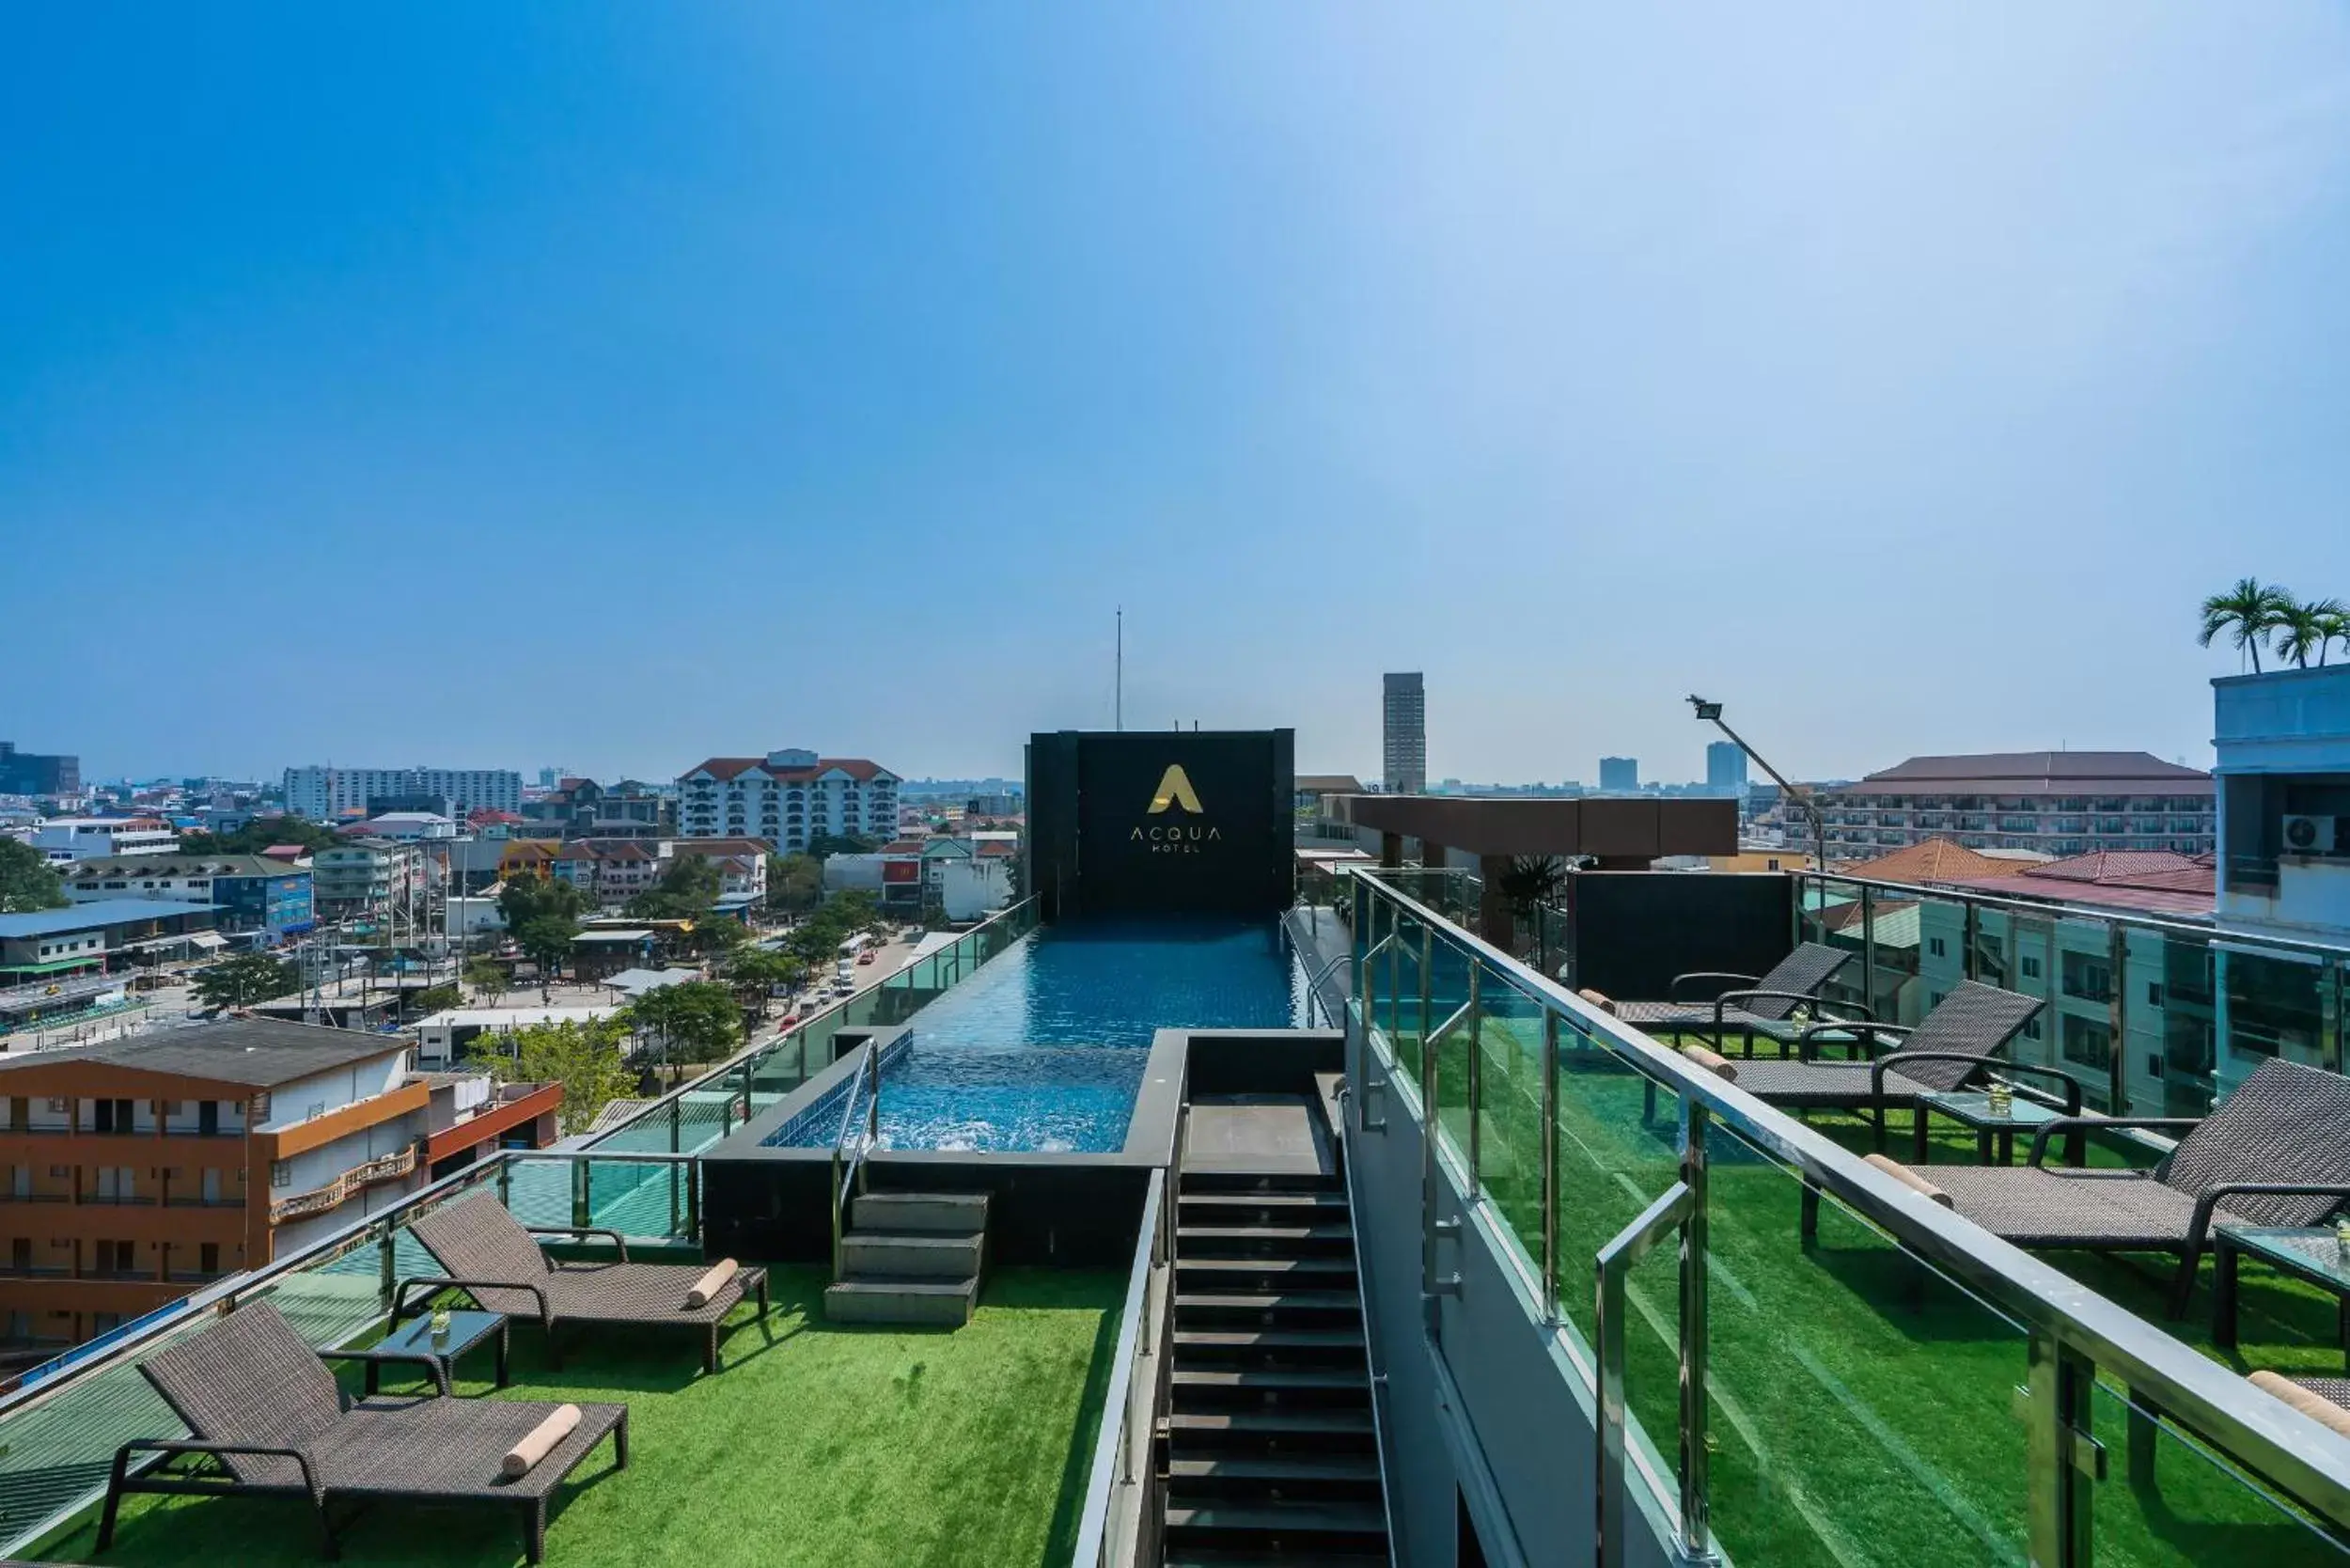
{"x":1044,"y":1047}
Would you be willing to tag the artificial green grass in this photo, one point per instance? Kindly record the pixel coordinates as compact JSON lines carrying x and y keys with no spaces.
{"x":815,"y":1444}
{"x":1861,"y":1406}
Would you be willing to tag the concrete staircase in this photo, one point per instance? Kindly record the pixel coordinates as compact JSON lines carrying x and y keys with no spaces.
{"x":911,"y":1257}
{"x":1270,"y":1452}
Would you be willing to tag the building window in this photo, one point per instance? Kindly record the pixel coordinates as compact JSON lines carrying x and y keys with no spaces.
{"x":2030,"y":966}
{"x":281,"y":1174}
{"x":2087,"y":1043}
{"x":1934,"y":946}
{"x":2153,"y":993}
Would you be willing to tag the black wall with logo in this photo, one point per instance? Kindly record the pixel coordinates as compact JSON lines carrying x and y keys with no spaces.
{"x":1097,"y":847}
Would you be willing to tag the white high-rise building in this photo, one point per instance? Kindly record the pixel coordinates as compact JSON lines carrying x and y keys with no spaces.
{"x":323,"y":793}
{"x":787,"y":797}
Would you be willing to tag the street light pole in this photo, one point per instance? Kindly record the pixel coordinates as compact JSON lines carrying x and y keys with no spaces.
{"x":1712,"y":713}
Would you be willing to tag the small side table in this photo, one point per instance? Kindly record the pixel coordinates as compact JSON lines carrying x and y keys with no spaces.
{"x":2314,"y":1255}
{"x":1972,"y":1108}
{"x":466,"y":1329}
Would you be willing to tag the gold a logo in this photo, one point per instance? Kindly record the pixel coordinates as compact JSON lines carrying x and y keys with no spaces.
{"x":1175,"y":789}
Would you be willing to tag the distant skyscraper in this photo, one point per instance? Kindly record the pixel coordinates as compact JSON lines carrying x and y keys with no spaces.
{"x":1405,"y":759}
{"x":1620,"y":775}
{"x":1726,"y":768}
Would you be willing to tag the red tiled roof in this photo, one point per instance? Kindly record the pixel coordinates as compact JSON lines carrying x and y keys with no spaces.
{"x":1933,"y":860}
{"x":719,"y":848}
{"x":726,"y":768}
{"x":996,"y":847}
{"x":488,"y":815}
{"x":2148,"y":881}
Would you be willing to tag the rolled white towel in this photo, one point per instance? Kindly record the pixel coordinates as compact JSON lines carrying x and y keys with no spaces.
{"x":539,"y":1442}
{"x":706,"y":1288}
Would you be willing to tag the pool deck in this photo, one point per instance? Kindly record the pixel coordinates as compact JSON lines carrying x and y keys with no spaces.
{"x":1271,"y":1134}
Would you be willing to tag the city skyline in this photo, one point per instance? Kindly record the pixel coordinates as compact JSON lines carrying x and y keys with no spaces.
{"x":400,"y":349}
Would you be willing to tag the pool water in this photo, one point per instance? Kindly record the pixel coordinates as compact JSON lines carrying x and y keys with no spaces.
{"x":1043,"y":1047}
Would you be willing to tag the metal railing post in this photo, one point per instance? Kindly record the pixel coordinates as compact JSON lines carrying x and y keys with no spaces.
{"x":694,"y":1199}
{"x":1475,"y":1080}
{"x":1868,"y":943}
{"x":2062,"y":1462}
{"x":387,"y":1268}
{"x":1970,"y":930}
{"x":1427,"y":976}
{"x":1550,"y":1165}
{"x":582,"y":1211}
{"x":506,"y":1180}
{"x":1696,"y":1545}
{"x":1612,"y":1264}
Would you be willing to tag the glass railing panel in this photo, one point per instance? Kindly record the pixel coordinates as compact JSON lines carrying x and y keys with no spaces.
{"x":1452,"y":1023}
{"x":1402,"y":1001}
{"x":1508,"y":1142}
{"x":1651,"y":1361}
{"x":2185,"y":1015}
{"x":2167,"y":1501}
{"x":639,"y":1198}
{"x":1860,"y":1404}
{"x":1617,"y":1147}
{"x":54,"y":1455}
{"x":2275,"y":1004}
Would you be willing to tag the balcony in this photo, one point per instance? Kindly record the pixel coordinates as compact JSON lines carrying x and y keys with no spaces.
{"x":319,"y":1200}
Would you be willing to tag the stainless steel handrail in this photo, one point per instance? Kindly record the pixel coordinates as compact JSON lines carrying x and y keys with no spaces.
{"x":2288,"y":1449}
{"x":867,"y":1066}
{"x":1101,"y":1481}
{"x":753,"y":1053}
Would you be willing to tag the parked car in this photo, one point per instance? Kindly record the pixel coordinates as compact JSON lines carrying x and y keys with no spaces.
{"x":866,"y":956}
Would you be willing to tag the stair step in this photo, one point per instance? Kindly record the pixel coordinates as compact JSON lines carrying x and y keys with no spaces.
{"x":1331,"y":1516}
{"x":868,"y":1255}
{"x":901,"y":1301}
{"x":1269,"y":1198}
{"x":951,"y":1214}
{"x":1221,"y":1345}
{"x":1267,"y":1233}
{"x":1274,"y":1301}
{"x":1203,"y":1377}
{"x":1271,"y":1422}
{"x":1265,"y":1265}
{"x":1334,"y":1467}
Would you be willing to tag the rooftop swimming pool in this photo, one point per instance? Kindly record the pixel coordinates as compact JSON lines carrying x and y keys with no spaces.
{"x":1042,"y":1048}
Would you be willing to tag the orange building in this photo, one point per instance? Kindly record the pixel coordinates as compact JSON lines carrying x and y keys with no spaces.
{"x":133,"y":1171}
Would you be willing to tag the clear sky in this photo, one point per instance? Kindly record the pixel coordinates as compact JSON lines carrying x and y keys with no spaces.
{"x":614,"y":386}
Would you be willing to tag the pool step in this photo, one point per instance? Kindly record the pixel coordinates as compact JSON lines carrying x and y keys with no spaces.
{"x":881,"y":1254}
{"x":911,"y":1302}
{"x":948,"y":1213}
{"x":911,"y":1257}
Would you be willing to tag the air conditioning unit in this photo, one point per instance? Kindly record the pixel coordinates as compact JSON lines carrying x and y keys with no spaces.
{"x":2305,"y":835}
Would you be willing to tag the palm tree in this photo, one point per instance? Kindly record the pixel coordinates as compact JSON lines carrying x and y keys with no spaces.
{"x":2300,"y":631}
{"x":2330,"y":621}
{"x":2248,"y":612}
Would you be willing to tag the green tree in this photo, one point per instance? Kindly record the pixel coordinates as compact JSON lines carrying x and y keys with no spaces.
{"x":840,"y":843}
{"x":524,"y":899}
{"x":546,"y":940}
{"x":695,"y":1020}
{"x":2248,"y":612}
{"x":489,"y":978}
{"x":757,"y":972}
{"x":436,"y":999}
{"x":2312,"y":628}
{"x":795,"y":882}
{"x":814,"y":942}
{"x":259,"y":834}
{"x":853,"y":910}
{"x":26,"y":883}
{"x":248,"y":979}
{"x":688,"y":889}
{"x":584,"y":1059}
{"x":717,"y":935}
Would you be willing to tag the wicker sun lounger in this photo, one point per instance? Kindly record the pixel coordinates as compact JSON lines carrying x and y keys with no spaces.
{"x":1965,"y":1032}
{"x":2275,"y":1152}
{"x":1744,"y":1005}
{"x":496,"y":1260}
{"x":264,"y":1407}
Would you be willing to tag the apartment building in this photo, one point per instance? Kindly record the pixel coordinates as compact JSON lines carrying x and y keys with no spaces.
{"x":41,"y":947}
{"x":2283,"y":741}
{"x":2054,"y":803}
{"x":370,"y":874}
{"x":1404,"y":732}
{"x":65,"y":838}
{"x":323,"y":793}
{"x":139,"y":1169}
{"x":787,"y":797}
{"x":583,"y":809}
{"x":246,"y":892}
{"x":742,"y":863}
{"x":610,"y":871}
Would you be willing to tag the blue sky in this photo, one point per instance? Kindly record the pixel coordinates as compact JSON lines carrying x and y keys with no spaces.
{"x":615,"y":385}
